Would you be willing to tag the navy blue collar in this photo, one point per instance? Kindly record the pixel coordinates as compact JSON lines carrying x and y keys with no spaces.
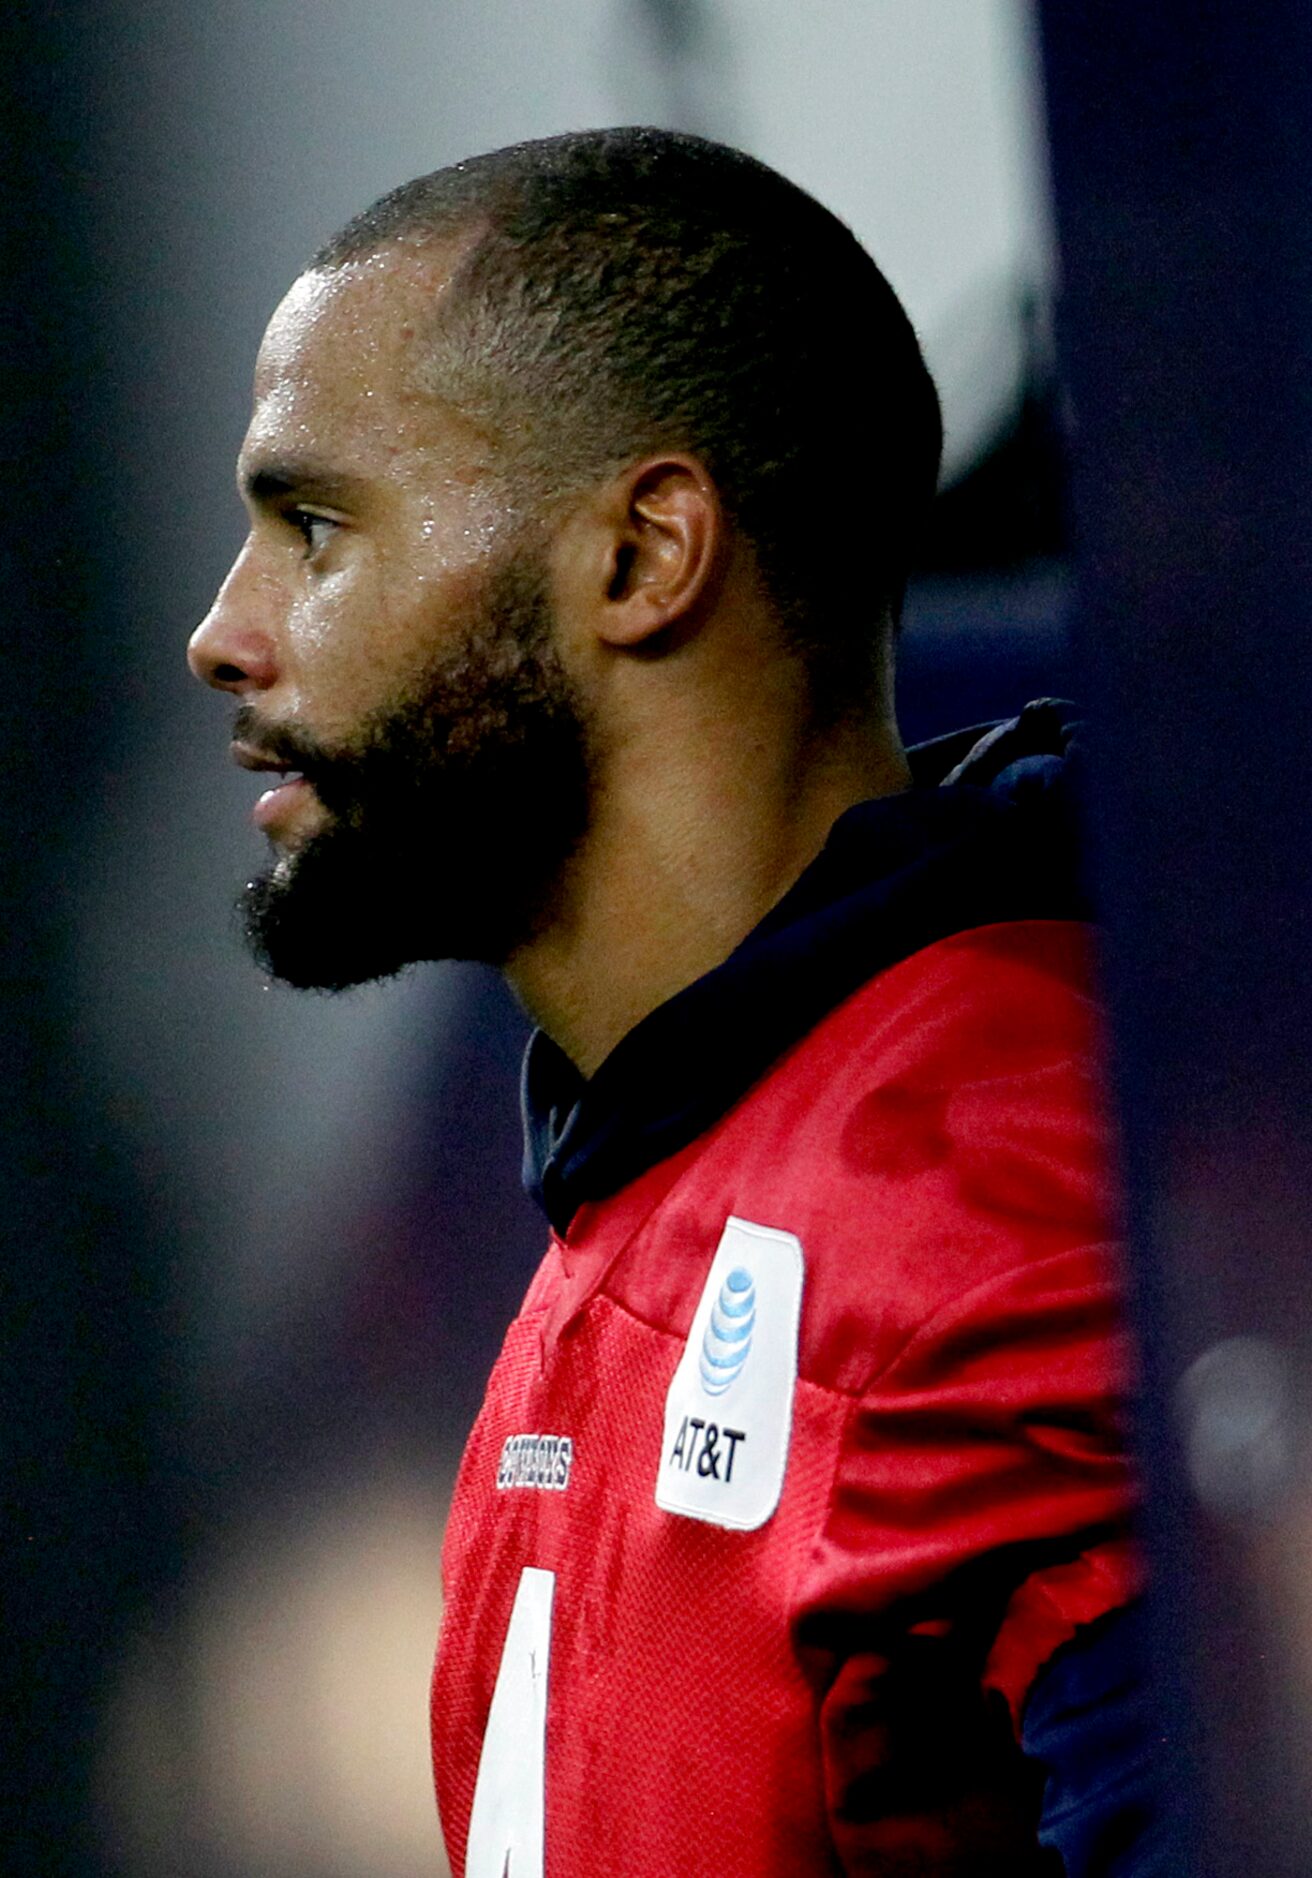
{"x":985,"y":834}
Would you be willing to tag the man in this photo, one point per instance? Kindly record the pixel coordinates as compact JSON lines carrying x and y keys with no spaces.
{"x":582,"y":481}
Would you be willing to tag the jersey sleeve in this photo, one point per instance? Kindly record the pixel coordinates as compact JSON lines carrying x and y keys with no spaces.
{"x":983,"y":1487}
{"x":981,"y":1501}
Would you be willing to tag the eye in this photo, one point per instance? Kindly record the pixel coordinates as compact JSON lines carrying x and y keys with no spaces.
{"x":315,"y":530}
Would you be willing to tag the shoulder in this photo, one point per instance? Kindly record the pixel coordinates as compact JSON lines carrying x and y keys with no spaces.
{"x":936,"y":1142}
{"x":976,"y":1001}
{"x":962,"y":1135}
{"x":970,"y":1070}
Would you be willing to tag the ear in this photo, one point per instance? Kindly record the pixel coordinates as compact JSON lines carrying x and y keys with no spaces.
{"x":652,"y":550}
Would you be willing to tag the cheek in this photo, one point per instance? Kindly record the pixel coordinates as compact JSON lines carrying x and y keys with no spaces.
{"x":344,"y":646}
{"x":425,"y":600}
{"x":369,"y":629}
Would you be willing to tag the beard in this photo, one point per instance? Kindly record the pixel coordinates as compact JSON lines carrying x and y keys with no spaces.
{"x":451,"y":813}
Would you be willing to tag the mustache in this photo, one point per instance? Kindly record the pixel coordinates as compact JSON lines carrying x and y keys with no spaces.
{"x":285,"y":744}
{"x":348,"y":780}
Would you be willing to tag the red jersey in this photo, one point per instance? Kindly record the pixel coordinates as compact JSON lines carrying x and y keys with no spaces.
{"x":801,"y":1445}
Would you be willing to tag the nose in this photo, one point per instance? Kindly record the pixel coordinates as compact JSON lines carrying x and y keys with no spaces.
{"x":234,"y":648}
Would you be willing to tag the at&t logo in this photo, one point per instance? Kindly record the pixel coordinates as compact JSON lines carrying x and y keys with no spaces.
{"x":729,"y":1332}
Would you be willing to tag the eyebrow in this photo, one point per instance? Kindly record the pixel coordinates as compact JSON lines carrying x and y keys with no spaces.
{"x":266,"y":483}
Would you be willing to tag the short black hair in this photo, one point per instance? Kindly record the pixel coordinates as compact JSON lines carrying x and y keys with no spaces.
{"x":632,"y":289}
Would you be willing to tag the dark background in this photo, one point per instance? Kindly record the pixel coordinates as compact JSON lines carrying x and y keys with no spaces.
{"x":258,"y":1250}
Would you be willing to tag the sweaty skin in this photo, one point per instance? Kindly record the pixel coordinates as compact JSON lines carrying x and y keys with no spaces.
{"x":372,"y":516}
{"x":378,"y":516}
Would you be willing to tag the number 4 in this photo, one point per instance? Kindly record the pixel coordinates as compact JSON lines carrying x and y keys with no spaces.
{"x":508,"y":1822}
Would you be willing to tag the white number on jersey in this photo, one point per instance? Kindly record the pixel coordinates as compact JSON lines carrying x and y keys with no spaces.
{"x":508,"y":1822}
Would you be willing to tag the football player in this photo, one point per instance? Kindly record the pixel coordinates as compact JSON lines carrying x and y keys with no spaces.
{"x":792,"y":1536}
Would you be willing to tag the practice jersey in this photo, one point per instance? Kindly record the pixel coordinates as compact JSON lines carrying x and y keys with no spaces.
{"x":802,"y":1457}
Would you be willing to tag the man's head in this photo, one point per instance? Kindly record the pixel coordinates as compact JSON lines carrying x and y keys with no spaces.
{"x":645,"y":328}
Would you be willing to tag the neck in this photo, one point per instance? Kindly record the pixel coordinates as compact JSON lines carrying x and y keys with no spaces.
{"x":695,"y":836}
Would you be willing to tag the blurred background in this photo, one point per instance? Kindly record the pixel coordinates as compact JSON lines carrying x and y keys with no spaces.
{"x":262,"y":1247}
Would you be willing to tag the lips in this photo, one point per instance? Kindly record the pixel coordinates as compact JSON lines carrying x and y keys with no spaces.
{"x":250,"y":756}
{"x":274,"y":810}
{"x":275,"y":807}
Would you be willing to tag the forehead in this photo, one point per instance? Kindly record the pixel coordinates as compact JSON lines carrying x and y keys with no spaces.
{"x":338,"y":368}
